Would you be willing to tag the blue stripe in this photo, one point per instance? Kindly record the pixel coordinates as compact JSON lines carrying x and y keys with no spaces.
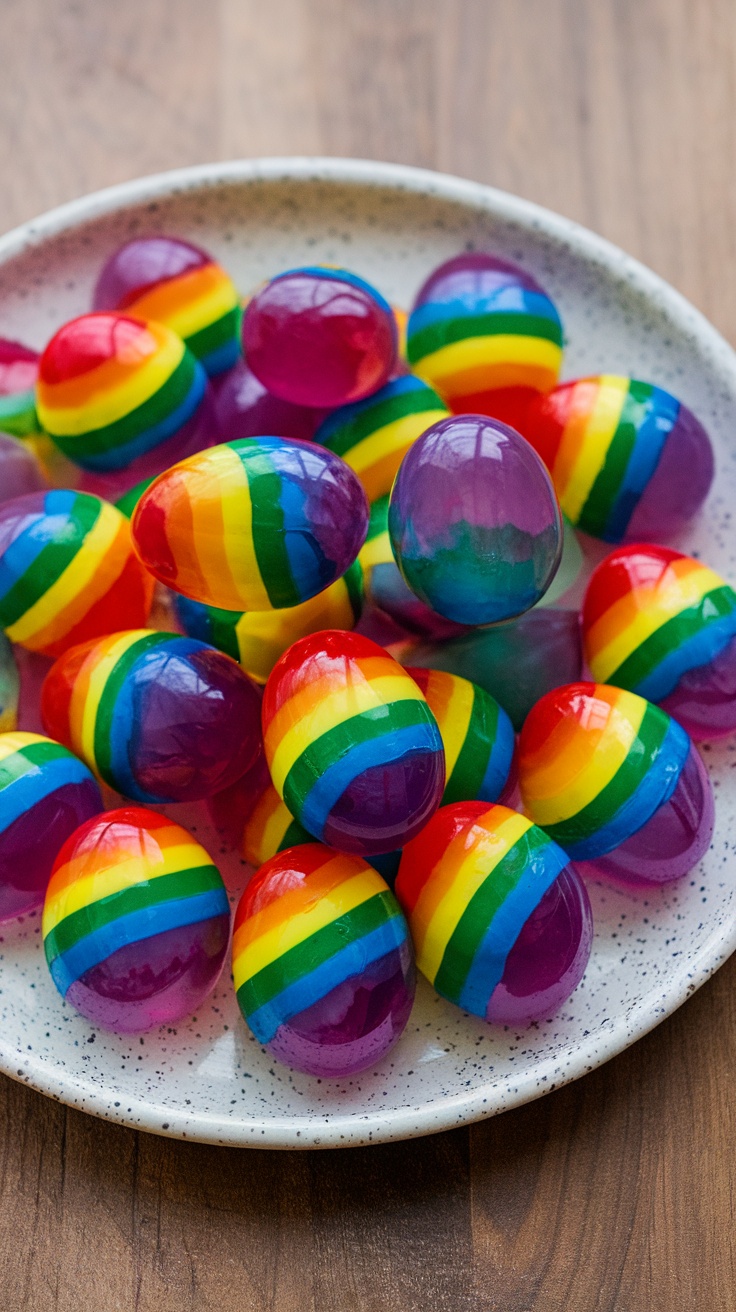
{"x":700,"y":649}
{"x":509,"y":298}
{"x":389,"y":747}
{"x":339,"y":275}
{"x":224,"y":357}
{"x":340,"y":418}
{"x":29,"y":789}
{"x":351,"y":960}
{"x":655,"y":789}
{"x":660,"y":418}
{"x":194,"y":617}
{"x":499,"y":762}
{"x":489,"y":962}
{"x":310,"y":568}
{"x":121,"y":456}
{"x":34,"y":532}
{"x":135,"y":928}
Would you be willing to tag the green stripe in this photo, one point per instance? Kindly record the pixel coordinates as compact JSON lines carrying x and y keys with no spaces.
{"x":475,"y":753}
{"x":18,"y":414}
{"x":446,"y":331}
{"x":378,"y":522}
{"x":150,"y":893}
{"x":338,"y":742}
{"x":671,"y":635}
{"x":369,"y":422}
{"x":621,"y":787}
{"x":108,"y":700}
{"x":168,"y":397}
{"x":595,"y":513}
{"x":222,"y":625}
{"x":269,"y":538}
{"x":354,"y":582}
{"x":51,"y":562}
{"x":301,"y":960}
{"x":213,"y":335}
{"x":29,"y":758}
{"x":473,"y":924}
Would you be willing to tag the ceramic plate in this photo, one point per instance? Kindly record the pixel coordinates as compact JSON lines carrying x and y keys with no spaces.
{"x":209,"y":1080}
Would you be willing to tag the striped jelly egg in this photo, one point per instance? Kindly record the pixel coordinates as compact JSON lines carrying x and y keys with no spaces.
{"x":352,"y":746}
{"x":159,"y":717}
{"x":258,"y":638}
{"x":180,"y":285}
{"x":486,"y":336}
{"x":117,"y":393}
{"x":255,"y":524}
{"x":477,"y":735}
{"x":322,"y":961}
{"x":374,"y":435}
{"x":664,"y":625}
{"x":68,"y":572}
{"x":136,"y":921}
{"x":9,"y":687}
{"x":616,"y":782}
{"x":45,"y":794}
{"x":629,"y":462}
{"x":500,"y":919}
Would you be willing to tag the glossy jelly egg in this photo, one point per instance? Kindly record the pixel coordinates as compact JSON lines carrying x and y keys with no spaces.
{"x":116,"y":393}
{"x":9,"y":687}
{"x":474,"y":521}
{"x":159,"y":717}
{"x":664,"y":625}
{"x":351,"y":743}
{"x":500,"y":919}
{"x":136,"y":921}
{"x":628,"y":460}
{"x":20,"y":471}
{"x":616,"y":782}
{"x":68,"y":572}
{"x":258,"y":638}
{"x":252,"y":525}
{"x":45,"y":794}
{"x":374,"y":435}
{"x":477,"y":735}
{"x":516,"y":662}
{"x":320,"y":337}
{"x":180,"y":285}
{"x":245,"y":408}
{"x":322,"y":961}
{"x":486,"y":336}
{"x":18,"y":374}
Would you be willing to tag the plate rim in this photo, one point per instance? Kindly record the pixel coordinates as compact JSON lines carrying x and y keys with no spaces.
{"x":459,"y":1108}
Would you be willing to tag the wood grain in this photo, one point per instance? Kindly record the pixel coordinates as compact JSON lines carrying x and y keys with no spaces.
{"x":613,"y":1195}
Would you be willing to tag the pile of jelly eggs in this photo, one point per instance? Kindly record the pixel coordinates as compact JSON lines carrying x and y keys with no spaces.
{"x":316,"y":562}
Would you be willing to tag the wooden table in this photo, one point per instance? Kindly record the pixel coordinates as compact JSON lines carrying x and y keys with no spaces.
{"x":614,"y":1193}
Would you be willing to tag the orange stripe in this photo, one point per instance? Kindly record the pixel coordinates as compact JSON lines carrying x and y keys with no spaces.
{"x":337,"y":869}
{"x":306,"y":697}
{"x":162,"y":301}
{"x":108,"y":571}
{"x":445,"y":871}
{"x":572,"y":437}
{"x":87,"y":862}
{"x":74,"y":393}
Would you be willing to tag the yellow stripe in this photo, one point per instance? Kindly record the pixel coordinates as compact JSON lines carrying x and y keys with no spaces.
{"x":228,"y":555}
{"x":275,"y":942}
{"x":113,"y":403}
{"x":73,"y":581}
{"x":483,"y":353}
{"x":376,"y":551}
{"x":573,"y":778}
{"x":329,"y":712}
{"x":265,"y":828}
{"x":434,"y":922}
{"x":455,"y":722}
{"x":588,"y":456}
{"x":634,"y":618}
{"x":141,"y":869}
{"x":205,"y":307}
{"x":13,"y":742}
{"x":264,"y":635}
{"x":87,"y":693}
{"x":397,"y":436}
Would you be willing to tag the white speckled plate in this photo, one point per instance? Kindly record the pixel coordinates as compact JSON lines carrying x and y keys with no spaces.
{"x":209,"y":1080}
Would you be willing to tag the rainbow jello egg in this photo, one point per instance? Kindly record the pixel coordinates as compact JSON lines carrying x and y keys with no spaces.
{"x":180,"y":285}
{"x":486,"y":336}
{"x":616,"y":782}
{"x":500,"y":919}
{"x":255,"y":524}
{"x":628,"y":460}
{"x":45,"y":794}
{"x":322,"y":961}
{"x":352,"y":746}
{"x":136,"y":921}
{"x":68,"y":572}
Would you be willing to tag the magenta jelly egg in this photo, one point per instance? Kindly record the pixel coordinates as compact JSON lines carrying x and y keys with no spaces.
{"x":617,"y":783}
{"x":322,"y":961}
{"x":45,"y":794}
{"x":136,"y":921}
{"x":474,"y":521}
{"x":245,"y":408}
{"x":320,"y":337}
{"x":500,"y":919}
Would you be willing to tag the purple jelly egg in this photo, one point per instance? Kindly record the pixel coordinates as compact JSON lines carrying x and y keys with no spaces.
{"x":20,"y":471}
{"x":245,"y":408}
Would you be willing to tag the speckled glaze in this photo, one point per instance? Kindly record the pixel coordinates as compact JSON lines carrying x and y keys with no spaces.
{"x":207,"y":1079}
